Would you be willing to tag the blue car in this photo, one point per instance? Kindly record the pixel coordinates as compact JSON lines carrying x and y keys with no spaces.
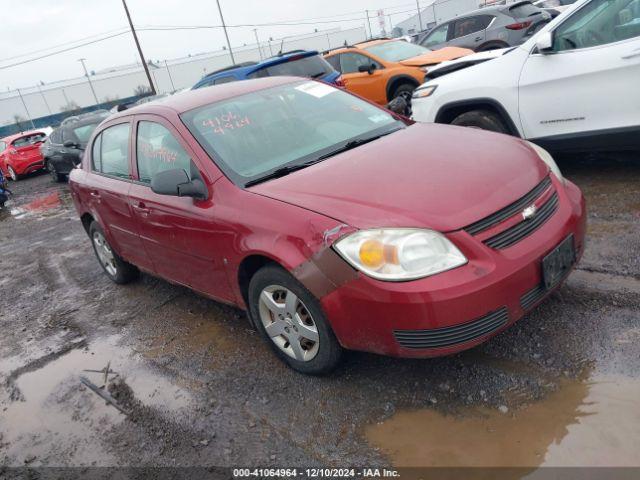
{"x":298,"y":63}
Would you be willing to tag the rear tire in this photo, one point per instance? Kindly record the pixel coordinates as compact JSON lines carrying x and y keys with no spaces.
{"x":484,"y":119}
{"x":299,"y":333}
{"x":114,"y":266}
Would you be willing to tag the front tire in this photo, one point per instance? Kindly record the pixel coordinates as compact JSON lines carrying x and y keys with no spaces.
{"x":12,"y":173}
{"x":292,"y":322}
{"x":484,"y":119}
{"x":55,"y":176}
{"x":116,"y":268}
{"x":405,"y":91}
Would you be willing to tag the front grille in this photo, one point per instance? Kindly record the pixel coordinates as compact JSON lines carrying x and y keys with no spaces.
{"x":509,"y":210}
{"x":525,"y":228}
{"x":447,"y":336}
{"x":532,"y":297}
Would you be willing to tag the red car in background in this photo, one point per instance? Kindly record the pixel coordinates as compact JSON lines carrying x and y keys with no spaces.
{"x":335,"y":223}
{"x":20,"y":154}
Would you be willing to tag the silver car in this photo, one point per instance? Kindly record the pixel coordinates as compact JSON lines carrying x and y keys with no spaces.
{"x":488,"y":28}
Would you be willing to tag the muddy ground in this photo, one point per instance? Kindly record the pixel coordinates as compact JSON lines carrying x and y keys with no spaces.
{"x":197,"y":387}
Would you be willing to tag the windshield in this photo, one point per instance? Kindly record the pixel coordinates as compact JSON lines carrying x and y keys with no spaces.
{"x":396,"y":51}
{"x":29,"y":140}
{"x":84,"y":132}
{"x":313,"y":67}
{"x":254,"y":134}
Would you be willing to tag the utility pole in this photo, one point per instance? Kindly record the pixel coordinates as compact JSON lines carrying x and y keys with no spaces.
{"x":224,"y":27}
{"x":173,"y":87}
{"x":86,"y":74}
{"x":135,"y":38}
{"x":255,"y":31}
{"x":419,"y":14}
{"x":369,"y":23}
{"x":44,"y":99}
{"x":26,"y":109}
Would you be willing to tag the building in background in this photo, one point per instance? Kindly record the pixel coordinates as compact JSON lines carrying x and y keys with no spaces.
{"x":125,"y":81}
{"x":432,"y":13}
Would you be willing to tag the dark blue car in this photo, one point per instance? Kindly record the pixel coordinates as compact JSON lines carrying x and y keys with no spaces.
{"x":298,"y":63}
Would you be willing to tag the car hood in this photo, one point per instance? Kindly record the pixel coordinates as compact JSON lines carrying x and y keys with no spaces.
{"x":436,"y":56}
{"x":427,"y":175}
{"x":465,"y":62}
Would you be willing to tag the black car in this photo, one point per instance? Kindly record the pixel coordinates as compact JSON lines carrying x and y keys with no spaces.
{"x":64,"y":148}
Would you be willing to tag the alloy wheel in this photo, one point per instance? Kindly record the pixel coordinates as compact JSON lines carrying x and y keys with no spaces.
{"x":12,"y":173}
{"x":105,"y":254}
{"x":288,"y":323}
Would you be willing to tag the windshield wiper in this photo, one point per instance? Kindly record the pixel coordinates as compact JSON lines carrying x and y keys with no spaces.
{"x":287,"y":169}
{"x":281,"y":172}
{"x":316,"y":75}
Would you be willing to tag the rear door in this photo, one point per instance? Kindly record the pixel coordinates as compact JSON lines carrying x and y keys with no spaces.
{"x":469,"y":32}
{"x":180,"y":234}
{"x":371,"y":86}
{"x":588,"y":84}
{"x":106,"y":191}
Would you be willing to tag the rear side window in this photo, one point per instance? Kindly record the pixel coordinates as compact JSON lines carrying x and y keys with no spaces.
{"x":221,"y":80}
{"x":84,"y":132}
{"x":467,"y":26}
{"x":158,"y":150}
{"x":28,"y":140}
{"x":312,"y":67}
{"x":113,"y":158}
{"x":524,"y":10}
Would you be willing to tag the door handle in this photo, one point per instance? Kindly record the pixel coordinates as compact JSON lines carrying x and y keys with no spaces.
{"x":478,"y":39}
{"x":634,"y":53}
{"x":94,"y":194}
{"x":141,"y":209}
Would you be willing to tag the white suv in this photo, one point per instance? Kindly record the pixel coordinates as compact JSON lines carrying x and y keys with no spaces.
{"x":575,"y":85}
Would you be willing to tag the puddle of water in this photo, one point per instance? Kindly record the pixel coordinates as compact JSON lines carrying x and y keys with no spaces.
{"x":594,"y":423}
{"x":42,"y":206}
{"x":59,"y":419}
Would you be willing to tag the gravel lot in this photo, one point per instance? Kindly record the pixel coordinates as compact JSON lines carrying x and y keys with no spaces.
{"x":561,"y":387}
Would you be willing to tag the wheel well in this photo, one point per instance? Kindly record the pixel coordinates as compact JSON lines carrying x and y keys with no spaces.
{"x":86,"y":220}
{"x":247,"y":269}
{"x":449,"y":112}
{"x":396,"y":82}
{"x":492,"y":45}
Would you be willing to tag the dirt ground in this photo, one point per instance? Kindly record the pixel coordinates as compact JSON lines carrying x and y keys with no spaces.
{"x":198,"y":387}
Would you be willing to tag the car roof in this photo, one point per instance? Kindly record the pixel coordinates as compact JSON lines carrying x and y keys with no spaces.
{"x":185,"y":101}
{"x":15,"y":136}
{"x":249,"y":67}
{"x":86,"y":120}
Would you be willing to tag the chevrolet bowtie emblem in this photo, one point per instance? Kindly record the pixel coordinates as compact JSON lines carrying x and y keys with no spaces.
{"x":529,"y":212}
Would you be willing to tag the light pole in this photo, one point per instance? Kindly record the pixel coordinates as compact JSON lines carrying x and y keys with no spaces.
{"x":224,"y":27}
{"x":419,"y":15}
{"x":135,"y":38}
{"x":255,"y":31}
{"x":369,"y":22}
{"x":25,"y":108}
{"x":44,"y":99}
{"x":86,"y":73}
{"x":173,"y":87}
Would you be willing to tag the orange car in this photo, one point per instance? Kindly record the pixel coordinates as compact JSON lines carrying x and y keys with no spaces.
{"x":381,"y":70}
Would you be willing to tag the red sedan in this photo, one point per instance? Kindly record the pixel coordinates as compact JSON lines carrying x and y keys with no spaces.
{"x":333,"y":222}
{"x":20,"y":154}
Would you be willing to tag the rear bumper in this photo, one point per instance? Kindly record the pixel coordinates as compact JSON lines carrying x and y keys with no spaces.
{"x":458,"y":309}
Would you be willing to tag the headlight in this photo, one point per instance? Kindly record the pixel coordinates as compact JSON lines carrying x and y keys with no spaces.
{"x":424,"y":92}
{"x":548,"y":159}
{"x":397,"y":254}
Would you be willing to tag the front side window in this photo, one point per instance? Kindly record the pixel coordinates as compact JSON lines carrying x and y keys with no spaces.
{"x":114,"y":150}
{"x":3,"y":146}
{"x":254,"y":134}
{"x":96,"y":163}
{"x":158,"y":150}
{"x":227,"y":79}
{"x":334,"y":61}
{"x":396,"y":50}
{"x":351,"y":62}
{"x":313,"y":67}
{"x":467,"y":26}
{"x":437,"y":36}
{"x":598,"y":23}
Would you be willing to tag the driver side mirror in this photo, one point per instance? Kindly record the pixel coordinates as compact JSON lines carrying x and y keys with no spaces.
{"x":70,"y":144}
{"x":367,"y":68}
{"x":176,"y":183}
{"x":544,"y":42}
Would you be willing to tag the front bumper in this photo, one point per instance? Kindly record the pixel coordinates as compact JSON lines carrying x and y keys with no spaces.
{"x":464,"y":306}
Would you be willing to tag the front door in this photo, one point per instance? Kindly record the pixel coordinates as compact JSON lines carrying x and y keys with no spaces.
{"x":368,"y":85}
{"x":180,"y":234}
{"x":589,"y":81}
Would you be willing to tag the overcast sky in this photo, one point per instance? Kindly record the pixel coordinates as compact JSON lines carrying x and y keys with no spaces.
{"x":35,"y":25}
